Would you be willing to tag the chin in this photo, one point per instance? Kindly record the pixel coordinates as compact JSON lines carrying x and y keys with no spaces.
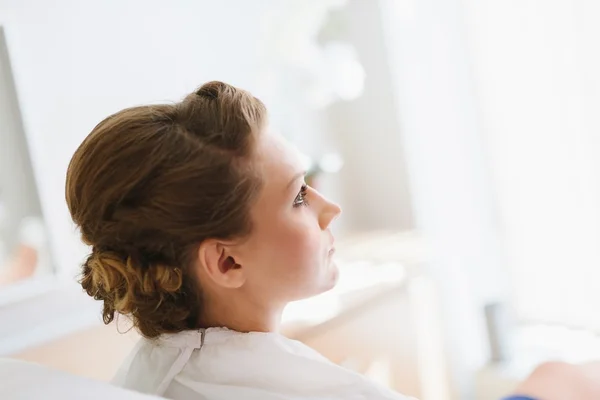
{"x":326,"y":281}
{"x":333,"y":276}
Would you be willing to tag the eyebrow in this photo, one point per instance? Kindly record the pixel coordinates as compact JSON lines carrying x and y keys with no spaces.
{"x":298,"y":175}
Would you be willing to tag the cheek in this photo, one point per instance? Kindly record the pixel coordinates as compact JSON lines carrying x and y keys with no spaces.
{"x":305,"y":268}
{"x":290,"y":260}
{"x":300,"y":243}
{"x":297,"y":249}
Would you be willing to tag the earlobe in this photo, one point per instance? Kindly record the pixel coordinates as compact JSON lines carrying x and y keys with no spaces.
{"x":220,"y":265}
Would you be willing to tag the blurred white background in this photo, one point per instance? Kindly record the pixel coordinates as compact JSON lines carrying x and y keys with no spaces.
{"x":473,"y":123}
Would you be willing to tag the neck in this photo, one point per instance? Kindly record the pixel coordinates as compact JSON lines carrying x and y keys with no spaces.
{"x":241,"y":315}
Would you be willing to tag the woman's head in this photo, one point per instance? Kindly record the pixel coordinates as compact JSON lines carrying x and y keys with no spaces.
{"x":183,"y":207}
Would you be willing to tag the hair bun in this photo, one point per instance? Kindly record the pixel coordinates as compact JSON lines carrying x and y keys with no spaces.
{"x":211,"y":90}
{"x":128,"y":288}
{"x":105,"y":277}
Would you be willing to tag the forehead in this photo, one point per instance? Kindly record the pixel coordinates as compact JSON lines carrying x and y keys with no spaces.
{"x":276,"y":158}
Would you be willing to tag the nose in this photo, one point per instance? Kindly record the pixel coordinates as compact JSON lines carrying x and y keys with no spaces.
{"x":328,"y":212}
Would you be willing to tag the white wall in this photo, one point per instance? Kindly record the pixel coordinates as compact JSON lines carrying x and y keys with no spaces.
{"x":76,"y":62}
{"x":454,"y":200}
{"x":539,"y":90}
{"x":374,"y":179}
{"x":18,"y":193}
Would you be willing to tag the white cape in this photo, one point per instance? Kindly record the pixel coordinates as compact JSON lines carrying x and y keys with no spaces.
{"x":220,"y":364}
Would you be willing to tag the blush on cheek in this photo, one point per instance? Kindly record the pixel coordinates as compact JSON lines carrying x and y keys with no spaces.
{"x":304,"y":249}
{"x":310,"y":246}
{"x":299,"y":238}
{"x":296,"y":259}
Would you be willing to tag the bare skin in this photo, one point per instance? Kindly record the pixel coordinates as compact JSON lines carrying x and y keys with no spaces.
{"x":563,"y":381}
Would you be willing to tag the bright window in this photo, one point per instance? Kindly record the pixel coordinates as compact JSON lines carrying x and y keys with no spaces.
{"x":536,"y":71}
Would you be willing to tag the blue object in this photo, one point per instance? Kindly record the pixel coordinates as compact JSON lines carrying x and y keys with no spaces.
{"x":519,"y":398}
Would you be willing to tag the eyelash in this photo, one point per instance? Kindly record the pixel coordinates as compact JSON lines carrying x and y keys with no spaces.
{"x":300,"y":199}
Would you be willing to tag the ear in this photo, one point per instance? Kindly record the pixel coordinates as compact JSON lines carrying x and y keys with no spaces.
{"x":219,"y":264}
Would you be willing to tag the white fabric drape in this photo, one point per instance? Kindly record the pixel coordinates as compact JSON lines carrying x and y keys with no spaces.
{"x":537,"y":69}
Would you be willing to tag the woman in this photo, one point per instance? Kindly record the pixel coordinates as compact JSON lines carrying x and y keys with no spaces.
{"x":202,"y":230}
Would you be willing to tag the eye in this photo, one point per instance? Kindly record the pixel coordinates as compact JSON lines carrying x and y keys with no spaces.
{"x":300,"y":199}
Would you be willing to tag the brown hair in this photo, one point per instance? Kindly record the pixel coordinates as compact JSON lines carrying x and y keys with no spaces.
{"x":148,"y":185}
